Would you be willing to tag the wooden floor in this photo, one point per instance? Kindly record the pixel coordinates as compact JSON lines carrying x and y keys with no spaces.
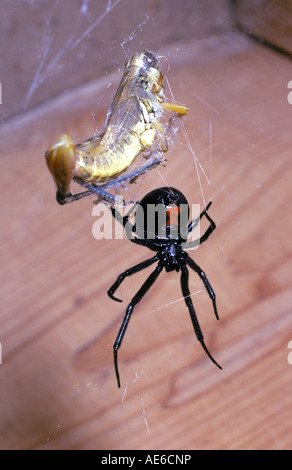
{"x":57,"y":325}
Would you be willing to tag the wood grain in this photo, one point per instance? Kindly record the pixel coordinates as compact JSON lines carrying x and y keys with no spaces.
{"x":267,"y":21}
{"x":58,"y":387}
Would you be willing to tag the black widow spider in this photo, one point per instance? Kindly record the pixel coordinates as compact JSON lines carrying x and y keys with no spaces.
{"x":166,"y":235}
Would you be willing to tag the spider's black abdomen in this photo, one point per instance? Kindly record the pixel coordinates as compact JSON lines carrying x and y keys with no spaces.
{"x":165,"y":196}
{"x":162,"y":214}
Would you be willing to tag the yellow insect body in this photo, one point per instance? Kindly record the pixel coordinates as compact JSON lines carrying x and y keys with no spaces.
{"x":101,"y":159}
{"x":132,"y":127}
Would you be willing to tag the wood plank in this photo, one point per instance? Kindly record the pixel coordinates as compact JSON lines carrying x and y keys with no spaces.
{"x":270,"y":22}
{"x":58,"y":387}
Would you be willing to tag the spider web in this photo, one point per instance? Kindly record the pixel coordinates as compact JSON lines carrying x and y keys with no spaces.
{"x":52,"y":58}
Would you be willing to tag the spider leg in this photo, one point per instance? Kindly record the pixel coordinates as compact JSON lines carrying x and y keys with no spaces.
{"x":129,"y":272}
{"x":189,"y":303}
{"x":210,"y":229}
{"x":124,"y":220}
{"x":141,"y":292}
{"x":129,"y":229}
{"x":193,"y":224}
{"x":207,"y":284}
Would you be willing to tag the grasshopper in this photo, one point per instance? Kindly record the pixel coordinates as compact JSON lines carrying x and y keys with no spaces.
{"x":132,"y":126}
